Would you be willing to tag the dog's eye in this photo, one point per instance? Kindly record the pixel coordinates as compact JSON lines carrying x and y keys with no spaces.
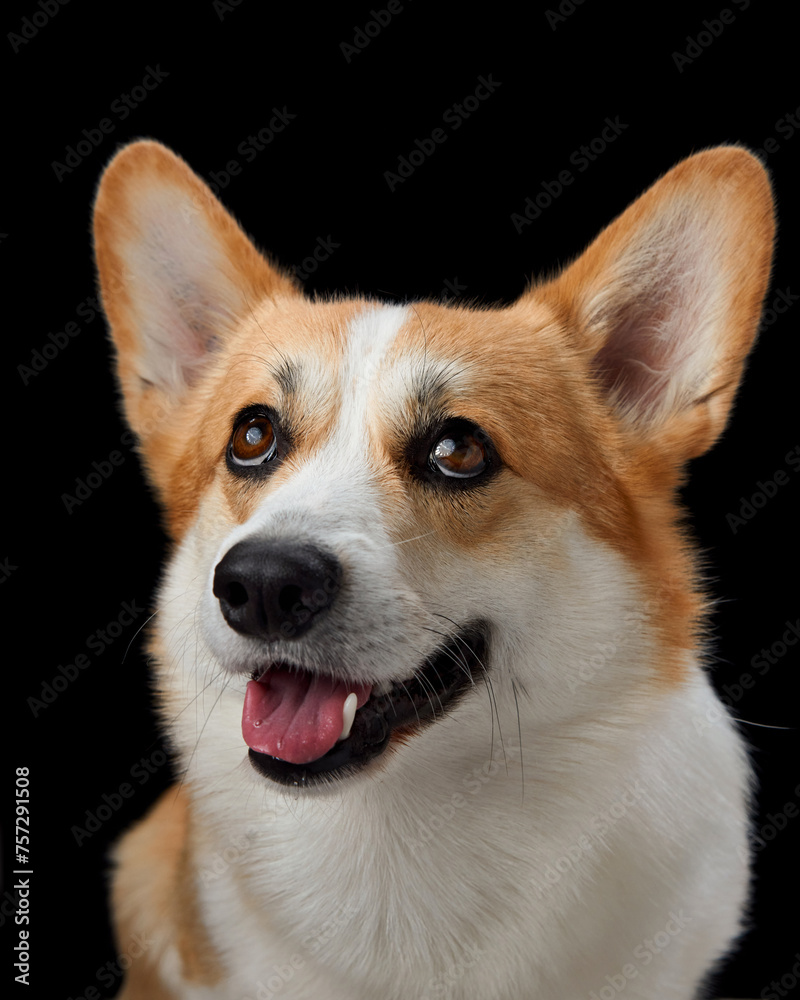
{"x":459,"y":455}
{"x":253,"y":441}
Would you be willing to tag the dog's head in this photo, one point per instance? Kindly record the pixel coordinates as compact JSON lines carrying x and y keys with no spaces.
{"x":401,"y":526}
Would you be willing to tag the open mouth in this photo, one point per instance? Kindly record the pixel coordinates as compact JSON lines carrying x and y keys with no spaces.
{"x":323,"y":728}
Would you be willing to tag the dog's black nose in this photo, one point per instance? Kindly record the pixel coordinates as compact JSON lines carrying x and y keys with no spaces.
{"x":275,"y":590}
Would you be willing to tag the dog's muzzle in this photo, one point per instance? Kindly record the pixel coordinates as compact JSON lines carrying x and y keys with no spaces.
{"x":303,"y":726}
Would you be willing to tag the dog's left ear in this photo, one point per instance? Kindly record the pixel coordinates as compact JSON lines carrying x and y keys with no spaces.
{"x":666,"y":301}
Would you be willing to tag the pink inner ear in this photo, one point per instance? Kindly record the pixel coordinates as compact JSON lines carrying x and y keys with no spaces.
{"x":635,"y":364}
{"x":659,"y":318}
{"x":179,"y":287}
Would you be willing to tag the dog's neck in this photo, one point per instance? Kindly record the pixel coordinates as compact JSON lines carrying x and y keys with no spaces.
{"x":309,"y":868}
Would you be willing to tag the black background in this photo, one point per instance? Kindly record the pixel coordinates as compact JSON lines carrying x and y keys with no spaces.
{"x":67,"y":573}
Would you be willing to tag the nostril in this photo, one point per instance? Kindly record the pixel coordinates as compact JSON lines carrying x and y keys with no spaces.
{"x":290,"y":598}
{"x":235,"y":594}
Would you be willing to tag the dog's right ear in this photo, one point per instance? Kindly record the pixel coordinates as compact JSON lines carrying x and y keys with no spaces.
{"x":176,"y":274}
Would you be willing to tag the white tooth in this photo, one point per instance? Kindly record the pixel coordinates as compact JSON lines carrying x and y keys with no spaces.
{"x":348,"y":714}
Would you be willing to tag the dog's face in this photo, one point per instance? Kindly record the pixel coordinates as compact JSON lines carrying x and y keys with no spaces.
{"x":403,"y":530}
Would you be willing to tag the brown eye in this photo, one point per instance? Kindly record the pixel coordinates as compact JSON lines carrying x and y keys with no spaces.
{"x":253,"y":441}
{"x":459,"y":455}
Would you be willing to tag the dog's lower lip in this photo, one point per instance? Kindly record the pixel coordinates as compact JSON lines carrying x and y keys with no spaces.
{"x":440,"y":681}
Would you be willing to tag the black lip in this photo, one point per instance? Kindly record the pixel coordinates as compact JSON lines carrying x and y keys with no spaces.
{"x":438,"y":684}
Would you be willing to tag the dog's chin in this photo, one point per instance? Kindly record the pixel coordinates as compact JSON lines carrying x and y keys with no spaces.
{"x":392,"y":715}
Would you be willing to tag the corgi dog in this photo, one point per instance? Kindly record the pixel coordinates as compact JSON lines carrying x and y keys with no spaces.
{"x":429,"y":645}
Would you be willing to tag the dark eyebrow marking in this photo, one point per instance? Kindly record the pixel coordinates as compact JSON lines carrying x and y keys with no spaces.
{"x":430,"y":389}
{"x":429,"y":403}
{"x":287,"y":375}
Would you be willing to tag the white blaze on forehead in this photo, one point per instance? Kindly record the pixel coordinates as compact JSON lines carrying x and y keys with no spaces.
{"x":328,"y":491}
{"x":370,"y":338}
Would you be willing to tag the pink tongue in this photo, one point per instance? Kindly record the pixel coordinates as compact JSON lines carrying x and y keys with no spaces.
{"x":294,"y":715}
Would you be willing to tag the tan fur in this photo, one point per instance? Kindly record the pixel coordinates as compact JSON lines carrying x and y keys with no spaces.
{"x":154,"y":901}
